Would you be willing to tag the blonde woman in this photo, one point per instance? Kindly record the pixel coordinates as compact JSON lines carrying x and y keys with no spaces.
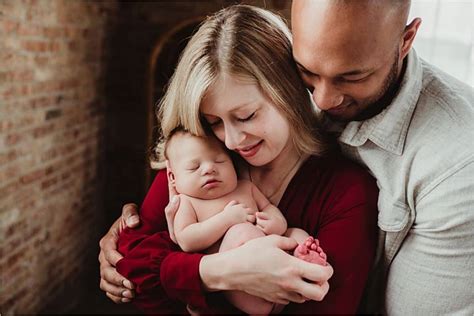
{"x":237,"y":79}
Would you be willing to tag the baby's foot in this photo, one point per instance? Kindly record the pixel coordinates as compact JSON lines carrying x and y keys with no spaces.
{"x":310,"y":251}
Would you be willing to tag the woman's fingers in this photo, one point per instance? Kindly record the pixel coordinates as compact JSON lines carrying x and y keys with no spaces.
{"x":294,"y":297}
{"x":315,"y":272}
{"x":320,"y":275}
{"x":314,"y":291}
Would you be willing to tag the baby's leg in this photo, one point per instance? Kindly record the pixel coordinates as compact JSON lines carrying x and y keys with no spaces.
{"x":236,"y":236}
{"x":308,"y":248}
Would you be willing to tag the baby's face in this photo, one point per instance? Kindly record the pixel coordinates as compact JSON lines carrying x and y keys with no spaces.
{"x":200,"y":167}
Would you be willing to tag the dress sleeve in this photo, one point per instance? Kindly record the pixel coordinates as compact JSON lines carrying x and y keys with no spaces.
{"x":166,"y":278}
{"x":348,"y":234}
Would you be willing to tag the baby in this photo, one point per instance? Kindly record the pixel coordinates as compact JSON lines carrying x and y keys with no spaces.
{"x":218,"y":212}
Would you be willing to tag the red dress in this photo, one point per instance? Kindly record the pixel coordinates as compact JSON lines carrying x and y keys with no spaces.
{"x":330,"y":198}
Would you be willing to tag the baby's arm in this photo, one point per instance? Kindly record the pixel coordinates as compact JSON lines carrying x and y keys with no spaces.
{"x":195,"y":236}
{"x":269,"y":217}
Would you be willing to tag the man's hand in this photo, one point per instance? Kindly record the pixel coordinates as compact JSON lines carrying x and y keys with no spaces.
{"x":117,"y":288}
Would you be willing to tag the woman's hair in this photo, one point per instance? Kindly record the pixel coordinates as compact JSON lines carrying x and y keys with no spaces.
{"x":253,"y":45}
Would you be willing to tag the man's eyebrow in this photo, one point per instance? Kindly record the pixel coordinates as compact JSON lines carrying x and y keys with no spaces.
{"x":347,"y":73}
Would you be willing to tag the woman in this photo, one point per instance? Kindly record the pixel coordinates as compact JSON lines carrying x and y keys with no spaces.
{"x":237,"y":78}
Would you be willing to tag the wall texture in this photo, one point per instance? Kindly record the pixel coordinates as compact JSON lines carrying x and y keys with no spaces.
{"x":52,"y":105}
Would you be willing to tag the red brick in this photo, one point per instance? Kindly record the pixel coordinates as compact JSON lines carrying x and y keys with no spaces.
{"x":9,"y":156}
{"x":32,"y":176}
{"x":42,"y":131}
{"x":13,"y":139}
{"x":9,"y":26}
{"x":28,"y":30}
{"x":48,"y":183}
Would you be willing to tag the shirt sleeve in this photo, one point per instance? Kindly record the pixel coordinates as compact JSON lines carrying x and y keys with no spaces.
{"x":165,"y":277}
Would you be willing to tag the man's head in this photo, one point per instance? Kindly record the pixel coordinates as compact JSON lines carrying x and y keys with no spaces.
{"x":350,"y":52}
{"x":199,"y":166}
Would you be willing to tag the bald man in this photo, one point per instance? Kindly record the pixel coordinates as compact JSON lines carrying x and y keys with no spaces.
{"x":413,"y":127}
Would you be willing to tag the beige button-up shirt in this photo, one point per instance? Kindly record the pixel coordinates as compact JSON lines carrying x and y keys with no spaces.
{"x":421,"y":151}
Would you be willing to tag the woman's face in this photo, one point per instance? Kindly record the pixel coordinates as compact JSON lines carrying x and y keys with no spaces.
{"x":245,"y":120}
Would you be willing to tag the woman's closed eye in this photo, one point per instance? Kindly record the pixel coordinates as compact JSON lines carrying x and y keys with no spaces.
{"x":214,"y":122}
{"x":248,"y":118}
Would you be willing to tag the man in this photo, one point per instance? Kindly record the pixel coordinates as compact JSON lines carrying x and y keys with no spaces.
{"x":412,"y":126}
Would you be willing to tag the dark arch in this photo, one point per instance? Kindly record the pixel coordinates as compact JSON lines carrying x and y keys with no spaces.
{"x":163,"y":60}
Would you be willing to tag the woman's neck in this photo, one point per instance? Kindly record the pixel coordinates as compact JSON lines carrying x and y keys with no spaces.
{"x":273,"y":179}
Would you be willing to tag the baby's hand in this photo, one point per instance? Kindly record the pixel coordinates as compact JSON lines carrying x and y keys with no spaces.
{"x":239,"y":213}
{"x":266,"y":223}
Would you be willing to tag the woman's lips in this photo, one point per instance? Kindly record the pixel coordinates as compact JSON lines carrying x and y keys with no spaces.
{"x":250,"y":151}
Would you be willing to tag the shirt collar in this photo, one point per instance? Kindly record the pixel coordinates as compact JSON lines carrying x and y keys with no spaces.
{"x":388,"y":129}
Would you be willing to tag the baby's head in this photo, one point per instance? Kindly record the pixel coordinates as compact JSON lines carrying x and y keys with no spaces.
{"x":199,"y":166}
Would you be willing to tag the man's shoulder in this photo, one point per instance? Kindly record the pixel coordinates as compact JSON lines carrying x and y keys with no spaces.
{"x":444,"y":114}
{"x":447,"y":92}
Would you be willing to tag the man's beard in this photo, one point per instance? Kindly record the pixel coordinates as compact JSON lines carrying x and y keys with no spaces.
{"x":385,"y":96}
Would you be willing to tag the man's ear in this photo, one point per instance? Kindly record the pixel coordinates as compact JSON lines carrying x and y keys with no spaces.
{"x":408,"y":37}
{"x":170,"y":174}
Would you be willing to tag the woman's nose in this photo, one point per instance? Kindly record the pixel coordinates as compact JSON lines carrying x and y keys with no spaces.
{"x":233,"y":137}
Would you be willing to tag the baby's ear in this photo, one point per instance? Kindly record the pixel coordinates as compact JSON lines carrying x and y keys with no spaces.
{"x":170,"y":174}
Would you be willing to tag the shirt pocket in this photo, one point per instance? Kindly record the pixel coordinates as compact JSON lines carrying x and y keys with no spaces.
{"x":393,"y":214}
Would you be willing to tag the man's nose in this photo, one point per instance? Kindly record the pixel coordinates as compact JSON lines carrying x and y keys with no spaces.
{"x":326,"y":96}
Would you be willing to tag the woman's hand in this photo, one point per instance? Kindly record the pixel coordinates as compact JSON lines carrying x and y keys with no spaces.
{"x":273,"y":274}
{"x":117,"y":288}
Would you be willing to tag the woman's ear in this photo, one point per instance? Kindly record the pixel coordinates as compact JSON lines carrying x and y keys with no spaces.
{"x":170,"y":174}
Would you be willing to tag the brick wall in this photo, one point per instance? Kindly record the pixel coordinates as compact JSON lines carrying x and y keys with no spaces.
{"x":52,"y":106}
